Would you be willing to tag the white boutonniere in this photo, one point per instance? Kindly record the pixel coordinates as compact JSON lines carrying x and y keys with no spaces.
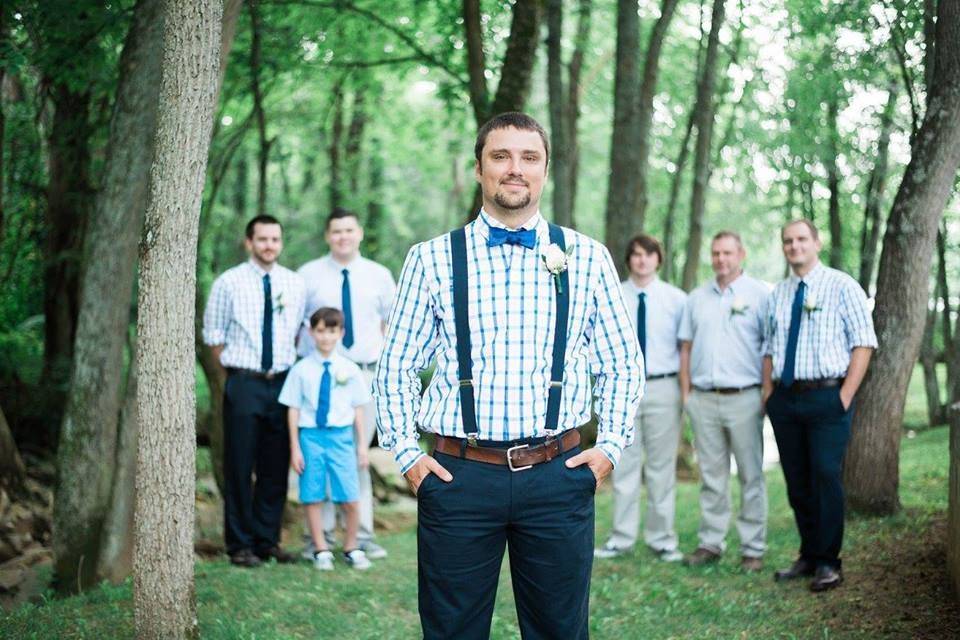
{"x":739,"y":306}
{"x":555,"y":260}
{"x":278,"y":305}
{"x":810,"y":303}
{"x":341,"y":377}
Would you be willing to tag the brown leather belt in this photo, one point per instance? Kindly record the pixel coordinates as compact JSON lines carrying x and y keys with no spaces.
{"x":799,"y":386}
{"x":725,"y":391}
{"x":518,"y":458}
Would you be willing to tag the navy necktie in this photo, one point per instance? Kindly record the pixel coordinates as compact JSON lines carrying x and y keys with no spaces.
{"x":642,"y":327}
{"x":266,"y":350}
{"x":796,"y":315}
{"x":323,"y":402}
{"x":524,"y":237}
{"x":347,"y":310}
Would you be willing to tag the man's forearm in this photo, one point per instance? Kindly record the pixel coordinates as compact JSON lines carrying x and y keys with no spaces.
{"x":217,"y":351}
{"x":685,"y":347}
{"x":859,"y":360}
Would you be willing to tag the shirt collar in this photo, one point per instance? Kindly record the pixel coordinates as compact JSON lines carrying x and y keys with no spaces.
{"x":260,"y":271}
{"x":732,"y":286}
{"x":318,"y":357}
{"x":812,"y":276}
{"x":336,"y":266}
{"x":653,"y":284}
{"x":536,"y":222}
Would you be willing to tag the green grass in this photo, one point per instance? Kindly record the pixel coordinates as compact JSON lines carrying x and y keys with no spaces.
{"x":635,"y":597}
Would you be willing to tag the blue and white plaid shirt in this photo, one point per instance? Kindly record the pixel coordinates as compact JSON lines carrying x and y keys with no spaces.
{"x":234,"y":315}
{"x":835,"y":320}
{"x":511,"y":314}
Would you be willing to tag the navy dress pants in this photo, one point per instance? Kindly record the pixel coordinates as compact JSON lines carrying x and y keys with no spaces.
{"x":544,"y":515}
{"x":255,"y":442}
{"x":812,"y":430}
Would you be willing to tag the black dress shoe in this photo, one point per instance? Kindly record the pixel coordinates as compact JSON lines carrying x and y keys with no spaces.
{"x":278,"y":554}
{"x":245,"y":558}
{"x":826,"y":578}
{"x":799,"y":569}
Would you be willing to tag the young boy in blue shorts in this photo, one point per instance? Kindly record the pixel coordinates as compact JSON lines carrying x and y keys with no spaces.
{"x":324,"y":393}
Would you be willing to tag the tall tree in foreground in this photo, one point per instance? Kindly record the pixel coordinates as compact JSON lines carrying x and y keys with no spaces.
{"x":704,"y":112}
{"x":621,"y":189}
{"x":88,"y":436}
{"x":871,"y":471}
{"x":164,"y":605}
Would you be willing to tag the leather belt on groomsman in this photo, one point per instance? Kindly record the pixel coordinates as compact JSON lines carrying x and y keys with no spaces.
{"x":725,"y":391}
{"x":799,"y":386}
{"x":518,"y":457}
{"x":251,"y":373}
{"x":660,"y":376}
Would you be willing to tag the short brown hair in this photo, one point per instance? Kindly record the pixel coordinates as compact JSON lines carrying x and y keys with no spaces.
{"x":647,"y":243}
{"x":720,"y":235}
{"x":326,"y":316}
{"x":804,"y":221}
{"x":506,"y":120}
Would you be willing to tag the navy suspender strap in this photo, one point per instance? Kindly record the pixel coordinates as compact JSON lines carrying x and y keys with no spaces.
{"x":461,"y":318}
{"x":559,"y":336}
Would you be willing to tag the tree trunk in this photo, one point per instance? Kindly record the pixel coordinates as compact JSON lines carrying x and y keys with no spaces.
{"x":624,"y":156}
{"x":164,"y":603}
{"x":373,"y":228}
{"x":703,"y":119}
{"x":336,"y":140}
{"x":559,"y":139}
{"x":88,"y":435}
{"x":574,"y":91}
{"x":476,"y":61}
{"x":354,"y":144}
{"x":876,"y":186}
{"x":833,"y":183}
{"x":257,"y":92}
{"x":648,"y":89}
{"x":669,"y":223}
{"x":871,"y":471}
{"x":116,"y":552}
{"x":68,"y":208}
{"x":12,"y":471}
{"x":928,"y":362}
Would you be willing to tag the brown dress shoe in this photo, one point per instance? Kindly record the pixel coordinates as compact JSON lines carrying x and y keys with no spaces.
{"x":278,"y":554}
{"x":245,"y":558}
{"x":701,"y":557}
{"x":826,"y":578}
{"x":751,"y":565}
{"x":799,"y":569}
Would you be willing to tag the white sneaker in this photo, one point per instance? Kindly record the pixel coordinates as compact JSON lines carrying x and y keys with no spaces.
{"x":373,"y":551}
{"x":608,"y":551}
{"x":323,"y":561}
{"x":356,"y":559}
{"x":669,"y":555}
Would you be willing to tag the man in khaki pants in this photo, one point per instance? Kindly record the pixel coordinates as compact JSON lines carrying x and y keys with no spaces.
{"x":721,"y":335}
{"x":656,"y":308}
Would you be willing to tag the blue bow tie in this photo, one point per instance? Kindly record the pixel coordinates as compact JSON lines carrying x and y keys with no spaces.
{"x":524,"y":237}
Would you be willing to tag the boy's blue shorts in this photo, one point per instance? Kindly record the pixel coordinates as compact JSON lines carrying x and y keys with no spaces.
{"x":329,"y":456}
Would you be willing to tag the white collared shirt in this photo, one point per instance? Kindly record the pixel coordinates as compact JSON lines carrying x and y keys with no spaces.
{"x":835,"y":319}
{"x":234,"y":315}
{"x":348,"y":390}
{"x":664,"y":309}
{"x":512,"y":311}
{"x":371,"y":294}
{"x":725,"y":329}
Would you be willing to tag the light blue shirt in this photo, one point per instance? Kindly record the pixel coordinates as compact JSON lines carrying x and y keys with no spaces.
{"x":835,"y":320}
{"x":725,"y":329}
{"x":664,"y":309}
{"x":348,"y":390}
{"x":512,"y":311}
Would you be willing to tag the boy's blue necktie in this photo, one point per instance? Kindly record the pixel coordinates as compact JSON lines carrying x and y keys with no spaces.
{"x":796,"y":315}
{"x":347,"y":310}
{"x":323,"y":402}
{"x":266,"y":337}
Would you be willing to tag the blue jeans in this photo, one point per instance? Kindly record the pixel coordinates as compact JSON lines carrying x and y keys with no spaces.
{"x":812,"y":430}
{"x":543,"y":515}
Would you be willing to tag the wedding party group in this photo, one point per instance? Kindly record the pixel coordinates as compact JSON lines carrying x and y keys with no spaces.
{"x":531,"y":334}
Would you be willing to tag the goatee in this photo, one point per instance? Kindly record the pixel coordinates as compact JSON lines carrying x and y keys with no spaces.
{"x":504,"y":203}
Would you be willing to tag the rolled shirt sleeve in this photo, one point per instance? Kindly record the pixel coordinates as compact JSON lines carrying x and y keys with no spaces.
{"x":216,"y":316}
{"x":616,"y":364}
{"x":409,"y":346}
{"x":857,"y":319}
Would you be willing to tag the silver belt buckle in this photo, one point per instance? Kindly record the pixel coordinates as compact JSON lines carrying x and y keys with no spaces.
{"x":510,"y":459}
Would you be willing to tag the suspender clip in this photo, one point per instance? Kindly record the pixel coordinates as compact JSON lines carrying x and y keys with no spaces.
{"x":556,"y":383}
{"x":472,"y":439}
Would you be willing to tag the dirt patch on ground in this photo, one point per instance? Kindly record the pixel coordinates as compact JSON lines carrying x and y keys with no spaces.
{"x":897,"y":586}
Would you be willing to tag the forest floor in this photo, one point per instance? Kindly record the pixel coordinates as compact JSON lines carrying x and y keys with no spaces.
{"x":896,"y":583}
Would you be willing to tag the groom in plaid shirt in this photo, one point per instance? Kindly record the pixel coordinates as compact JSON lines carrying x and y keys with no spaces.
{"x":519,"y":314}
